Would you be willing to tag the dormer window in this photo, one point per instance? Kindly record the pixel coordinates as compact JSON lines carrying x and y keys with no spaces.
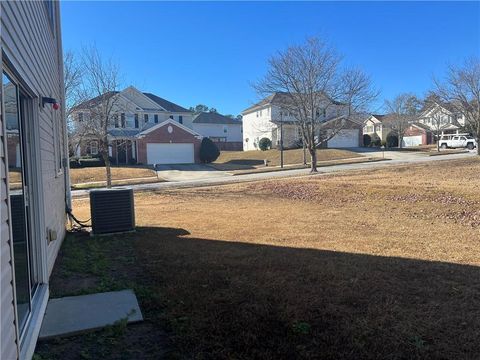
{"x":155,"y":118}
{"x":145,"y":118}
{"x":180,"y":119}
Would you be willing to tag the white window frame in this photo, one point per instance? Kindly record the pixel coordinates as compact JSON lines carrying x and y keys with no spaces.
{"x":92,"y":147}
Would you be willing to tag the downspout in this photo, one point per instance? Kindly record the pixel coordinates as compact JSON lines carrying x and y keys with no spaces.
{"x":65,"y":162}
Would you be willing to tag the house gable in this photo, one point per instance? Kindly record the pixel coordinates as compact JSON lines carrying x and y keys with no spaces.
{"x":142,"y":101}
{"x":172,"y":123}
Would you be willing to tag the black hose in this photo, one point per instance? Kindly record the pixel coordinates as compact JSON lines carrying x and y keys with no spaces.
{"x":81,"y":223}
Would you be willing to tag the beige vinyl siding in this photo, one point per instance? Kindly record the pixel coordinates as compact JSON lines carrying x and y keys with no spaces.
{"x":34,"y":55}
{"x":33,"y":51}
{"x":8,"y":346}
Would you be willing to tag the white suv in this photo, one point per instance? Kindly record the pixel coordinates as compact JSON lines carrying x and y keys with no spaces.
{"x":458,"y":141}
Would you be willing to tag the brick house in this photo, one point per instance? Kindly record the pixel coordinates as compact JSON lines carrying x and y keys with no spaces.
{"x":417,"y":134}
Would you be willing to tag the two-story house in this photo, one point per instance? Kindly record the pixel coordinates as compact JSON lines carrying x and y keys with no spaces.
{"x":270,"y":118}
{"x":34,"y":178}
{"x":136,"y":132}
{"x":144,"y":129}
{"x":442,"y":117}
{"x":375,"y":128}
{"x":378,"y":127}
{"x":225,"y":132}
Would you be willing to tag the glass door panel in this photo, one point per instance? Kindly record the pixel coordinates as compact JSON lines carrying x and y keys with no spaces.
{"x":18,"y":198}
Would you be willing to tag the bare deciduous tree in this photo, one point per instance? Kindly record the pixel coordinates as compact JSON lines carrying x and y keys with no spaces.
{"x":461,"y":89}
{"x":101,"y":82}
{"x":74,"y":94}
{"x":310,"y":77}
{"x":403,"y":110}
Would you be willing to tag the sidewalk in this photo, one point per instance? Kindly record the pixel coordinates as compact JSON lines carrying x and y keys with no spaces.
{"x":285,"y":173}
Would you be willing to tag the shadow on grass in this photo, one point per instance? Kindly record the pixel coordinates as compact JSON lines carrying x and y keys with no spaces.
{"x":223,"y":299}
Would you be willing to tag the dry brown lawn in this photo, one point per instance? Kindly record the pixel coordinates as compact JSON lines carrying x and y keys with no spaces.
{"x":93,"y":174}
{"x":237,"y":160}
{"x":363,"y":265}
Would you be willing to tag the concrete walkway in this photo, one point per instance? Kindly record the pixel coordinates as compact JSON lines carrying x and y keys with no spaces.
{"x":408,"y":158}
{"x":75,"y":314}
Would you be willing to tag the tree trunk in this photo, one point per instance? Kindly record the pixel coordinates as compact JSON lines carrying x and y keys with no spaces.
{"x":108,"y":169}
{"x":478,"y":148}
{"x":313,"y":160}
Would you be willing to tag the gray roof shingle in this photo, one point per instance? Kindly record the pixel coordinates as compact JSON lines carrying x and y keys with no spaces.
{"x":214,"y":118}
{"x":167,"y":105}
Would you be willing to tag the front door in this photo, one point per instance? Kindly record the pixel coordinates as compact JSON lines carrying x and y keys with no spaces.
{"x":18,"y":189}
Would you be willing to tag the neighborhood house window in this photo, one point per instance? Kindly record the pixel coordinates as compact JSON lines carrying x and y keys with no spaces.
{"x":219,"y":139}
{"x":80,"y":116}
{"x":136,"y":121}
{"x":171,"y":117}
{"x":145,"y":117}
{"x":155,"y":118}
{"x":115,"y":120}
{"x":369,"y":128}
{"x":225,"y":129}
{"x":180,"y":119}
{"x":122,"y":120}
{"x":93,"y":148}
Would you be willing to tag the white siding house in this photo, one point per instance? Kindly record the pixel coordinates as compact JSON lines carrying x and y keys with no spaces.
{"x":263,"y":119}
{"x":443,"y":117}
{"x":33,"y":178}
{"x":224,"y":131}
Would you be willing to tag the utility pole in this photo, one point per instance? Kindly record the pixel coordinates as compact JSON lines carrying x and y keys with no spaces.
{"x":281,"y":139}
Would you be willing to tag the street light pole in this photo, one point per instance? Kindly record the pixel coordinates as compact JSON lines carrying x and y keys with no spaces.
{"x":281,"y":139}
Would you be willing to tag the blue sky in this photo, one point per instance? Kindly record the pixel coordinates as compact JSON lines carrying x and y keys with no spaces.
{"x":210,"y":52}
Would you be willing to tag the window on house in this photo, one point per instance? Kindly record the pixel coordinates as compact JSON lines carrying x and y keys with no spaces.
{"x":80,"y":116}
{"x":257,"y":113}
{"x":155,"y":118}
{"x":171,"y":117}
{"x":225,"y":129}
{"x":218,"y":138}
{"x":145,"y":118}
{"x":180,"y":119}
{"x":93,"y":147}
{"x":136,"y":121}
{"x":122,"y":120}
{"x":115,"y":120}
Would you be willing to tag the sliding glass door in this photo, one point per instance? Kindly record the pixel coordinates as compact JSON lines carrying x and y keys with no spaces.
{"x":14,"y":102}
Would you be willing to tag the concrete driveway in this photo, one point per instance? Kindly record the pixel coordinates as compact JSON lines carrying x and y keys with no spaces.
{"x":186,"y":172}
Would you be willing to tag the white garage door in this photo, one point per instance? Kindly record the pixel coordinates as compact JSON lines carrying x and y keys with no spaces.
{"x":344,"y":139}
{"x":170,"y":153}
{"x":412,"y":140}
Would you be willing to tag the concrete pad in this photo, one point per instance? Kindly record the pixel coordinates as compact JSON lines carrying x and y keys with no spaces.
{"x":75,"y":314}
{"x":187,"y":172}
{"x":177,"y":175}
